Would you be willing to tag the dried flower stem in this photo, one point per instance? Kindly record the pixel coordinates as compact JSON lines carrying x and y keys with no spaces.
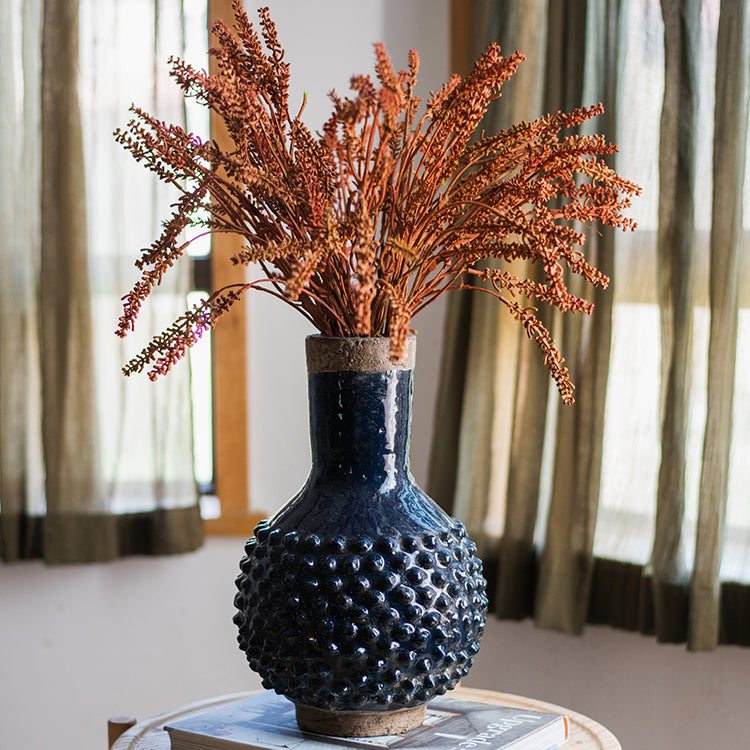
{"x":364,"y":225}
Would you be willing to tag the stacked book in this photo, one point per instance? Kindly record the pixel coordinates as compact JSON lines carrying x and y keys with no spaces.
{"x":266,"y":721}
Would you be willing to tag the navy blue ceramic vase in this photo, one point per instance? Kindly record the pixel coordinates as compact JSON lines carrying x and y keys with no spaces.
{"x":361,"y":599}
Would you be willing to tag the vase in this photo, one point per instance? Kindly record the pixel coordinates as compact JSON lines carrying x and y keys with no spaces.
{"x":361,"y":599}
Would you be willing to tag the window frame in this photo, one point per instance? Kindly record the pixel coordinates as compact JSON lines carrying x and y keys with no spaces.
{"x":229,"y":370}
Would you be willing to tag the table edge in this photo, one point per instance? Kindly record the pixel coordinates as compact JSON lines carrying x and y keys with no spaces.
{"x":582,"y":727}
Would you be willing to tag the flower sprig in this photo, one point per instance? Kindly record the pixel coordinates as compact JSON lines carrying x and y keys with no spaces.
{"x":362,"y":226}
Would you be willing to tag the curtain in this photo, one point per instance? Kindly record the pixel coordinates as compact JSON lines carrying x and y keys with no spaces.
{"x":92,"y":466}
{"x":630,"y":507}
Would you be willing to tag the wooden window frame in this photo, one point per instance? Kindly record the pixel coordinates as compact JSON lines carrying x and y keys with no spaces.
{"x":229,"y":365}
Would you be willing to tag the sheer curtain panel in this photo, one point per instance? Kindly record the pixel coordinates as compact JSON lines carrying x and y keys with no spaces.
{"x":92,"y":466}
{"x":630,"y":507}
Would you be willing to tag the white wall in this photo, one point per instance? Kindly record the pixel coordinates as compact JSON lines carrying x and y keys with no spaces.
{"x":80,"y":644}
{"x":141,"y":636}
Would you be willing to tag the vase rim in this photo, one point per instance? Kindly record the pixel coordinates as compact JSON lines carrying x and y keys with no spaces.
{"x":356,"y":353}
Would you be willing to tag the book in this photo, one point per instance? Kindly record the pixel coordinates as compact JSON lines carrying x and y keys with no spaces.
{"x":266,"y":721}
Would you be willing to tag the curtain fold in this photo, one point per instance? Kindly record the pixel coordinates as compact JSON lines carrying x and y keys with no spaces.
{"x":626,"y":509}
{"x":21,"y":477}
{"x":565,"y":565}
{"x":729,"y":159}
{"x":526,"y":23}
{"x":91,"y":467}
{"x":72,"y":477}
{"x":675,"y":268}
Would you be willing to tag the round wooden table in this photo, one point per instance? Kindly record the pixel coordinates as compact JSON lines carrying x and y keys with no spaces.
{"x":585,"y":733}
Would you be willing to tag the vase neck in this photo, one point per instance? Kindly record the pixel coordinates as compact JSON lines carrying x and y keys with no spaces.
{"x":360,"y":425}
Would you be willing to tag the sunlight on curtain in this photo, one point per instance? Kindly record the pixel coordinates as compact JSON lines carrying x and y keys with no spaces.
{"x":124,"y":52}
{"x":21,"y":472}
{"x":92,"y":465}
{"x":631,"y":452}
{"x":613,"y":511}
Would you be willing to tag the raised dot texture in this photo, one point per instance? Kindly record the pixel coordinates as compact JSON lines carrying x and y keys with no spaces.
{"x":357,"y":624}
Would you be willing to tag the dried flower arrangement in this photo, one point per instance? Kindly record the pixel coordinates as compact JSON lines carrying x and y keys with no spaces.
{"x":362,"y":226}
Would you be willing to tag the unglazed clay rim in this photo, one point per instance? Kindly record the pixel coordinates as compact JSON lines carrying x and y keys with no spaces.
{"x":356,"y":354}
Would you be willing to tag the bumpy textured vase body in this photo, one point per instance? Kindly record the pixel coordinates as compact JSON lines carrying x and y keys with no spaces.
{"x":361,"y":593}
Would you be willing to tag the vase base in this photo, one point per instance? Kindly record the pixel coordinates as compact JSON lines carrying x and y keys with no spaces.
{"x":359,"y":723}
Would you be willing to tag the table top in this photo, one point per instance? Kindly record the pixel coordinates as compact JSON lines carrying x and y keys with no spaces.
{"x":585,"y":733}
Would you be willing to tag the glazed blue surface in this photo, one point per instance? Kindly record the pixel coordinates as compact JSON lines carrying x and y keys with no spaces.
{"x":360,"y":426}
{"x":361,"y":593}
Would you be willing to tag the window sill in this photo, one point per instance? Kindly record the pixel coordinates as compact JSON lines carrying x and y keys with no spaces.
{"x":239,"y":524}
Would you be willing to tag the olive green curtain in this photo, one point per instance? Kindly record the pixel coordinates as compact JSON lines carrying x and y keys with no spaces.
{"x":91,"y":468}
{"x":627,"y":508}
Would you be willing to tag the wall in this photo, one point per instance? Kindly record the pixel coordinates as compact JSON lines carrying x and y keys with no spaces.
{"x":80,"y":644}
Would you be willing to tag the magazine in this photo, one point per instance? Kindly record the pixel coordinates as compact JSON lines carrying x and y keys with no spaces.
{"x":266,"y":721}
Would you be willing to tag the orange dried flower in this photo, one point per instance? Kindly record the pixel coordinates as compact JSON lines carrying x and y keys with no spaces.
{"x":362,"y":226}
